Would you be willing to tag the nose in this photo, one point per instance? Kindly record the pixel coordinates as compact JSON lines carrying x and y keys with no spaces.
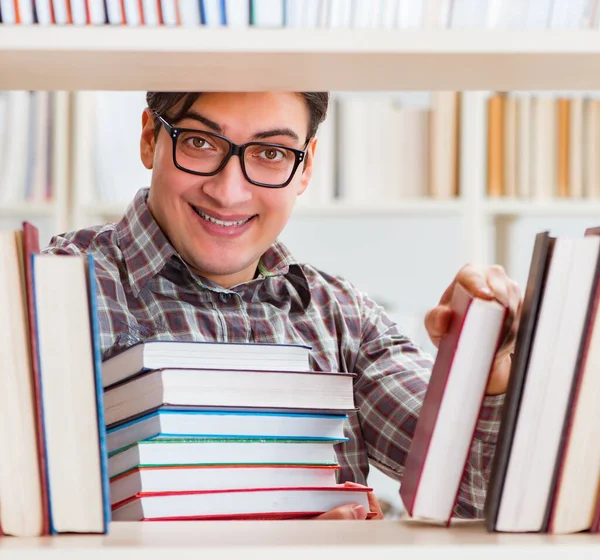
{"x":229,"y":187}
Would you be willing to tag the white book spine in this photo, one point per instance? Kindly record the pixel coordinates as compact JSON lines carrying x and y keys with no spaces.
{"x":9,"y":17}
{"x":114,"y":14}
{"x":169,"y":12}
{"x":238,"y":14}
{"x":78,"y":12}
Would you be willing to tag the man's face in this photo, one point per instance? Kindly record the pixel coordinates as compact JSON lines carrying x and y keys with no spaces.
{"x":186,"y":206}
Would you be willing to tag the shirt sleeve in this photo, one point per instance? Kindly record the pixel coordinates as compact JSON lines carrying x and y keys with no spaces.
{"x":392,"y":378}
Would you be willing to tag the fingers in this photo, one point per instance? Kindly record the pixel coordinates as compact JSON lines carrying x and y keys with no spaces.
{"x":475,"y":280}
{"x":437,"y":322}
{"x":374,"y":507}
{"x":345,"y":512}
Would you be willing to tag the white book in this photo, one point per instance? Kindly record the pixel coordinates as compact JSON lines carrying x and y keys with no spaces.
{"x":510,"y":14}
{"x":294,"y":10}
{"x":355,"y":185}
{"x":114,"y":14}
{"x":268,"y":13}
{"x":208,"y":451}
{"x":576,"y":147}
{"x":164,"y":354}
{"x":261,"y":503}
{"x":97,"y":13}
{"x":150,"y":8}
{"x":510,"y":146}
{"x":569,"y":14}
{"x":78,"y":12}
{"x":169,"y":12}
{"x":339,"y":14}
{"x":538,"y":14}
{"x":13,"y":174}
{"x":229,"y":388}
{"x":222,"y":477}
{"x":190,"y":13}
{"x":388,"y":14}
{"x":60,"y":12}
{"x":414,"y":147}
{"x":524,"y":146}
{"x":237,"y":13}
{"x":212,"y":13}
{"x":183,"y":424}
{"x":9,"y":17}
{"x":544,"y":147}
{"x":311,"y":11}
{"x":409,"y":14}
{"x":546,"y":395}
{"x":43,"y":9}
{"x":132,"y":13}
{"x":26,"y":12}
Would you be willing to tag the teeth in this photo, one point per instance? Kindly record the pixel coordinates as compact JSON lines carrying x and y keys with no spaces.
{"x":219,"y":222}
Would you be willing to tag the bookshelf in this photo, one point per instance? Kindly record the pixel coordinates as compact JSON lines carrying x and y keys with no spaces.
{"x":69,"y":59}
{"x":121,"y":58}
{"x":296,"y":539}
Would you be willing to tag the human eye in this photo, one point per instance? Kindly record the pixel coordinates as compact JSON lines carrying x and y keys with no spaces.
{"x":197,"y":142}
{"x":272,"y":154}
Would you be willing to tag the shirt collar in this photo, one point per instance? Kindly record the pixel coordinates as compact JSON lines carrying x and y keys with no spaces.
{"x":146,"y":250}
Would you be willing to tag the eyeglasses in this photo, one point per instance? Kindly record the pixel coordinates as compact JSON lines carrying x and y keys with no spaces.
{"x":204,"y":153}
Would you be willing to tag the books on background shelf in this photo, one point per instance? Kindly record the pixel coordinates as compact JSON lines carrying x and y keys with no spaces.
{"x":448,"y":418}
{"x":32,"y":125}
{"x":311,"y":14}
{"x":53,"y":476}
{"x":543,"y":146}
{"x":199,"y":443}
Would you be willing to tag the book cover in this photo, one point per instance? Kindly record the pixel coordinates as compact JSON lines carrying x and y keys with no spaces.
{"x":538,"y":270}
{"x":449,"y":365}
{"x":99,"y":389}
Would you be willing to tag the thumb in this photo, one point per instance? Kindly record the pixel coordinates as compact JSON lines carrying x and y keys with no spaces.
{"x":348,"y":511}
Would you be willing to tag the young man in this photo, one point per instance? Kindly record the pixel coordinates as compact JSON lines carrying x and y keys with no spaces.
{"x":196,"y":257}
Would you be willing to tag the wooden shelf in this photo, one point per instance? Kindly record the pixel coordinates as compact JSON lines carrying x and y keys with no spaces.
{"x":121,"y":58}
{"x":297,"y":540}
{"x":562,"y":208}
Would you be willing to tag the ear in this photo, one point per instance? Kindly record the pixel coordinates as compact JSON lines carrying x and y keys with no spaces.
{"x":147,"y":140}
{"x":308,"y":165}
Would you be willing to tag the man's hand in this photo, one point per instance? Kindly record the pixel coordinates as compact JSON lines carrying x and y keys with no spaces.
{"x":354,"y":511}
{"x":486,"y":283}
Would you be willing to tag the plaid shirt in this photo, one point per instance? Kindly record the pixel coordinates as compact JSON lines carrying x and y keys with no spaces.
{"x":146,"y":291}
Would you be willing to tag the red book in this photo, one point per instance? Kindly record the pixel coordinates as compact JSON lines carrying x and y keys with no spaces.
{"x":248,"y":503}
{"x":446,"y":424}
{"x":31,"y":246}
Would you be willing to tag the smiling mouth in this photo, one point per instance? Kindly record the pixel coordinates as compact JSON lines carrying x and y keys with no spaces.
{"x":221,"y":223}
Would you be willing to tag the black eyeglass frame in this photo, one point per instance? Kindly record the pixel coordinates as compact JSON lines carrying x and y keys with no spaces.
{"x":234,"y":150}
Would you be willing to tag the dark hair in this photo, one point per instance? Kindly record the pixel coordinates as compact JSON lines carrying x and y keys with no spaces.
{"x":162,"y":102}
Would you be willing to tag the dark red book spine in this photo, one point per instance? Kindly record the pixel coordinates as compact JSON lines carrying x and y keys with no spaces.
{"x":31,"y":246}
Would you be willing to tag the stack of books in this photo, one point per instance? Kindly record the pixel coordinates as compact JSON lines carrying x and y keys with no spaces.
{"x":545,"y":475}
{"x":53,"y":472}
{"x":203,"y":430}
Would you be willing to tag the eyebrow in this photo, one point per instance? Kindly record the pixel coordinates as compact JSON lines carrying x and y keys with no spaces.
{"x":263,"y":135}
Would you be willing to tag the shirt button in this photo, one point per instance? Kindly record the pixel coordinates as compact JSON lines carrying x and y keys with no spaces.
{"x":224,"y":297}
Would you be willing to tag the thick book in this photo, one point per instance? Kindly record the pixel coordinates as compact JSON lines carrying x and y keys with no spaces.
{"x":532,"y":298}
{"x":278,"y":503}
{"x":296,"y":391}
{"x":73,"y":424}
{"x":575,"y":486}
{"x":213,"y":451}
{"x":218,"y":477}
{"x":160,"y":354}
{"x":228,"y":423}
{"x":22,"y":494}
{"x":546,"y":397}
{"x":450,"y":411}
